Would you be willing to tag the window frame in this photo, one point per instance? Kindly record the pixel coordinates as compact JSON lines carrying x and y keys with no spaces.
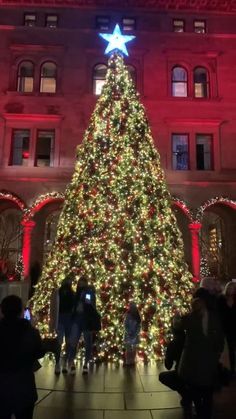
{"x":19,"y":77}
{"x":41,"y":77}
{"x":195,"y":27}
{"x":174,"y":153}
{"x":206,"y":85}
{"x":46,"y":20}
{"x":12,"y":147}
{"x":52,"y":148}
{"x":94,"y":79}
{"x":34,"y":122}
{"x":134,"y":26}
{"x":211,"y":153}
{"x":175,"y":82}
{"x":25,"y":21}
{"x":174,"y":26}
{"x":98,"y":25}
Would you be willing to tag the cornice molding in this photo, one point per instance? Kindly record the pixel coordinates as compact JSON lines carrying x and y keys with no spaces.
{"x":222,"y":6}
{"x":194,"y":121}
{"x":32,"y":117}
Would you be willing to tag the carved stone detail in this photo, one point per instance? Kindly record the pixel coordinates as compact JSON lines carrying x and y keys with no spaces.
{"x":228,"y":6}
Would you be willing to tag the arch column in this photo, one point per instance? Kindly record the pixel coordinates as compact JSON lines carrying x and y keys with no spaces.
{"x":28,"y":226}
{"x":195,"y":230}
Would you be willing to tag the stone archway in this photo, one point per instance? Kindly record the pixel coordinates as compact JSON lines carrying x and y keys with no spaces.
{"x":11,"y":211}
{"x":217,"y":238}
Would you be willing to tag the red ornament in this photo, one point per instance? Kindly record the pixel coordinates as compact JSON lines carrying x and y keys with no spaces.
{"x":152,"y":211}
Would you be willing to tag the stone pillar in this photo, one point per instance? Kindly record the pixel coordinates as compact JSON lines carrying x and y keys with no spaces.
{"x":28,"y":226}
{"x":194,"y":230}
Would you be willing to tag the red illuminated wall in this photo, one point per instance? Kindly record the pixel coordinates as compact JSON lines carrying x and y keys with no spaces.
{"x":76,"y":48}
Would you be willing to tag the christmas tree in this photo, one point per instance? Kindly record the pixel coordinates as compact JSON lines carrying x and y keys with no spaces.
{"x":117,"y":227}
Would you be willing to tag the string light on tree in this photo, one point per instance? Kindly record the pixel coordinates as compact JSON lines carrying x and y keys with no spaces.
{"x":117,"y":227}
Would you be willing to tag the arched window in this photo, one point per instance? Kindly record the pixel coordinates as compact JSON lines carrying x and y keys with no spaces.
{"x":48,"y":78}
{"x":132,"y":71}
{"x":25,"y":77}
{"x":99,"y":76}
{"x":201,"y":82}
{"x":179,"y":81}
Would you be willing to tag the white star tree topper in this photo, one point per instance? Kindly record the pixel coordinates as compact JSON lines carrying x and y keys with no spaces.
{"x":116,"y":40}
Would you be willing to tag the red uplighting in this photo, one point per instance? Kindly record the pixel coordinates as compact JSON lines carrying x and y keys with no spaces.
{"x":25,"y":154}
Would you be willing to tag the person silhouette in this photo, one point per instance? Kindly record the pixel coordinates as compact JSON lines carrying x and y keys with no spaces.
{"x":20,"y":348}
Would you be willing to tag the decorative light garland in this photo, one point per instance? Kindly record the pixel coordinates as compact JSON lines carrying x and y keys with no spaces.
{"x":4,"y":195}
{"x":183,"y":206}
{"x":41,"y":201}
{"x":211,"y":202}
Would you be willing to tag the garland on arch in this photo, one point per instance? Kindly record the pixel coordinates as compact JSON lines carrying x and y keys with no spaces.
{"x":41,"y":201}
{"x":14,"y":198}
{"x":211,"y":202}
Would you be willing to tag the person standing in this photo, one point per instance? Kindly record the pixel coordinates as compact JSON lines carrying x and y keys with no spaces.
{"x":198,"y":366}
{"x":84,"y":313}
{"x":66,"y":297}
{"x":20,"y":348}
{"x":227,"y":306}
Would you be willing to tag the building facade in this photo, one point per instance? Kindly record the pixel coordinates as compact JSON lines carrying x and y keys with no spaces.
{"x":52,"y":67}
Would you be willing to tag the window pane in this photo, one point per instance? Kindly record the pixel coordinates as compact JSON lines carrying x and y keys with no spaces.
{"x":204,"y":151}
{"x":20,"y":147}
{"x":48,"y":78}
{"x":51,"y":21}
{"x":200,"y":90}
{"x":30,"y":19}
{"x":128,"y":24}
{"x":103,"y":23}
{"x":178,"y":25}
{"x":200,"y":82}
{"x":199,"y":26}
{"x":179,"y":74}
{"x":180,"y":153}
{"x":99,"y":76}
{"x":25,"y":78}
{"x":179,"y":89}
{"x":98,"y":85}
{"x":44,"y":148}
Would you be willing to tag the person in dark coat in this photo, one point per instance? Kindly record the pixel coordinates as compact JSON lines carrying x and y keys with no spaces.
{"x":20,"y":348}
{"x":171,"y":378}
{"x":227,"y":306}
{"x":198,"y":366}
{"x":83,"y":323}
{"x":66,"y":302}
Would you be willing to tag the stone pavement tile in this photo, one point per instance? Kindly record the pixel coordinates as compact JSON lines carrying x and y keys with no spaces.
{"x":152,"y":368}
{"x":159,"y":400}
{"x":42,"y":394}
{"x":93,"y":382}
{"x":152,"y":383}
{"x":126,"y":380}
{"x":58,"y":413}
{"x":127,"y":414}
{"x":167,"y":414}
{"x":93,"y":401}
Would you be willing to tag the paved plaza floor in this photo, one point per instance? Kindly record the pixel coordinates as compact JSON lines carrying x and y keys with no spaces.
{"x":115,"y":392}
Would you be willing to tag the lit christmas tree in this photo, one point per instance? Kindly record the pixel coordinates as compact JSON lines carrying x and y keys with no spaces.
{"x":117,"y":227}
